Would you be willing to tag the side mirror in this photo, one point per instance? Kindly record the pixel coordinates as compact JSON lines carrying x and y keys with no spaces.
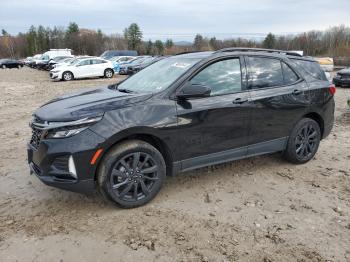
{"x":190,"y":90}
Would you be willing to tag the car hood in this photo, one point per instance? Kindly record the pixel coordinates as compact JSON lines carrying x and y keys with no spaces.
{"x":87,"y":103}
{"x":345,"y":71}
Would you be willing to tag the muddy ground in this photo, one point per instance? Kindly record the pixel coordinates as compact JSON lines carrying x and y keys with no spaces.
{"x":258,"y":209}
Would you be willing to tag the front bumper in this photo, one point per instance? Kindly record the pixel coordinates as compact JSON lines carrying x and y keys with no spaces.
{"x":49,"y":161}
{"x":55,"y":76}
{"x":341,"y":81}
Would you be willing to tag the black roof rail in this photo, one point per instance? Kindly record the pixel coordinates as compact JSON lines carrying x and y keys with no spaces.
{"x":187,"y":52}
{"x":247,"y":49}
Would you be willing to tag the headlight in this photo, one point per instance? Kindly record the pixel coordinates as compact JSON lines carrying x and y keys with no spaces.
{"x":64,"y":132}
{"x":65,"y":129}
{"x":56,"y":71}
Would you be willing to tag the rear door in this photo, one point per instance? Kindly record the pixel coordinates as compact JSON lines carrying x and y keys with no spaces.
{"x":279,"y":98}
{"x":214,"y":129}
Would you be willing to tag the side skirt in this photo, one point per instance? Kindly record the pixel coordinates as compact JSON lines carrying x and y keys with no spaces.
{"x":267,"y":147}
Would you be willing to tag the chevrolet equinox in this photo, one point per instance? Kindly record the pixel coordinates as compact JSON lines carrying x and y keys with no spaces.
{"x":181,"y":113}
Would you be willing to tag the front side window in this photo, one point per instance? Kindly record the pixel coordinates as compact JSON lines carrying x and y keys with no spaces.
{"x":223,"y":77}
{"x":264,"y":72}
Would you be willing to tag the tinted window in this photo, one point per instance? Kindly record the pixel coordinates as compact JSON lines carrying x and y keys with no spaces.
{"x":312,"y":68}
{"x":289,"y":76}
{"x":265,"y":72}
{"x":222,"y":77}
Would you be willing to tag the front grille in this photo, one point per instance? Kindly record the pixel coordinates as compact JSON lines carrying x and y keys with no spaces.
{"x":36,"y":137}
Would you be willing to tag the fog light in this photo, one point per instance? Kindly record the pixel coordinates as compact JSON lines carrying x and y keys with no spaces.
{"x":71,"y":167}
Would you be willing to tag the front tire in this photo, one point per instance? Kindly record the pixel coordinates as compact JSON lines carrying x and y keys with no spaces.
{"x":131,"y":174}
{"x":303,"y":141}
{"x":67,"y":76}
{"x":108,"y":73}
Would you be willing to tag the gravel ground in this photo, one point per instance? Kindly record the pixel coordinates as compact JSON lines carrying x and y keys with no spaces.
{"x":257,"y":209}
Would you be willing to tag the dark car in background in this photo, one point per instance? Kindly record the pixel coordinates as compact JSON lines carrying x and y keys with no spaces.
{"x":342,"y":78}
{"x":111,"y":53}
{"x":178,"y":114}
{"x":138,"y":67}
{"x":123,"y":68}
{"x":10,"y":63}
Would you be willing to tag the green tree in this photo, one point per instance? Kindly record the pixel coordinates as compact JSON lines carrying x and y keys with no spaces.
{"x":169,"y":43}
{"x":270,"y":41}
{"x":72,"y":38}
{"x":72,"y":28}
{"x":159,"y":46}
{"x":149,"y":47}
{"x":4,"y":32}
{"x":31,"y":38}
{"x":133,"y":36}
{"x":213,"y":43}
{"x":198,"y":42}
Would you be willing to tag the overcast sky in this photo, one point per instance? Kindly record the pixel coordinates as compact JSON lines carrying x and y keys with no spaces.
{"x":178,"y":19}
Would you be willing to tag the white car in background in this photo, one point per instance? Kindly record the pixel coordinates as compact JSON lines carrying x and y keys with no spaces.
{"x":83,"y":68}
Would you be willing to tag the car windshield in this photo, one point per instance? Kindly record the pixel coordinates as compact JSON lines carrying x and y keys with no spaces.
{"x":159,"y":75}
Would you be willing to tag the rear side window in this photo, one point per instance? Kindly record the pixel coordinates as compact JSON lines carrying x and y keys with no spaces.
{"x":223,"y":77}
{"x":264,"y":72}
{"x":289,"y":76}
{"x":312,"y":68}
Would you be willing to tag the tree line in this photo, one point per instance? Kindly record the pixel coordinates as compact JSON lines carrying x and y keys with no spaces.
{"x":333,"y":42}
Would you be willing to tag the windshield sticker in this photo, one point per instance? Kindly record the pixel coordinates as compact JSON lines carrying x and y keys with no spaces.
{"x":181,"y":65}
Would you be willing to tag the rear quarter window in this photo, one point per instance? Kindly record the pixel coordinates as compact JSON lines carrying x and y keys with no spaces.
{"x":312,"y":68}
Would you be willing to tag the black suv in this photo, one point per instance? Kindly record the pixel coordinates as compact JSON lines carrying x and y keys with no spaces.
{"x":181,"y":113}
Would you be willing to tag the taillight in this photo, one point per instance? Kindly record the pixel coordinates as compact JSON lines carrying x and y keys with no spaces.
{"x":332,"y":89}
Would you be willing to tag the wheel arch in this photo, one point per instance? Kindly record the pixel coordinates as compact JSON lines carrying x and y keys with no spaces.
{"x":318,"y":118}
{"x":152,"y":139}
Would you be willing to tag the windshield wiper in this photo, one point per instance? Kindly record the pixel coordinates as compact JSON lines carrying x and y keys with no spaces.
{"x":124,"y":90}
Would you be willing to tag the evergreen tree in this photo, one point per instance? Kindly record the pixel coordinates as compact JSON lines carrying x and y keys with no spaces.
{"x":133,"y":36}
{"x":159,"y":46}
{"x":270,"y":41}
{"x":198,"y":42}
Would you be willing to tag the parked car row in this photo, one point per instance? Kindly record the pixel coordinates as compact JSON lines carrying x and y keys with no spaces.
{"x":65,"y":66}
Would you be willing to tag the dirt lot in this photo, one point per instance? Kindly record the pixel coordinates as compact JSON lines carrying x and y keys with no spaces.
{"x":258,"y":209}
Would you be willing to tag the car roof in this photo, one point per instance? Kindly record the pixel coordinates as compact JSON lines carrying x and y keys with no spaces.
{"x":246,"y":51}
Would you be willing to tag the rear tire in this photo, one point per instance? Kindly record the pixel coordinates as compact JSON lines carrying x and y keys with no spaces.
{"x":67,"y":76}
{"x":108,"y":73}
{"x":131,"y":174}
{"x":303,"y":141}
